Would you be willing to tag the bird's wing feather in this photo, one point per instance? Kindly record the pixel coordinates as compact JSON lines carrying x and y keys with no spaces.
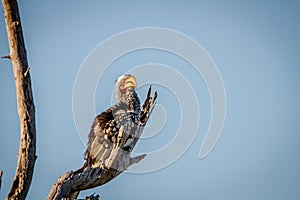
{"x":101,"y":134}
{"x":97,"y":133}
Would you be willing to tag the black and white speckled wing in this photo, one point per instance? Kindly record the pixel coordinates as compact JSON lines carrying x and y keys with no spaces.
{"x":105,"y":133}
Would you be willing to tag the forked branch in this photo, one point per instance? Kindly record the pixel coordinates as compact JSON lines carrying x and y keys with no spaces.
{"x":71,"y":183}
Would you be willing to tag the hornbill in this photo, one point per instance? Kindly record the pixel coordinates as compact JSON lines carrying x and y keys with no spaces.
{"x":123,"y":117}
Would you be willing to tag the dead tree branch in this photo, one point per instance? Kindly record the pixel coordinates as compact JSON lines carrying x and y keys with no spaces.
{"x":71,"y":183}
{"x":1,"y":173}
{"x":26,"y":110}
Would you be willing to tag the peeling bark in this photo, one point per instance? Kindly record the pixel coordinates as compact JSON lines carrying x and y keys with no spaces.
{"x":71,"y":183}
{"x":26,"y":109}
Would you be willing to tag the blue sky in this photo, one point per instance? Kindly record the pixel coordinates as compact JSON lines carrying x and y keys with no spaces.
{"x":254,"y":44}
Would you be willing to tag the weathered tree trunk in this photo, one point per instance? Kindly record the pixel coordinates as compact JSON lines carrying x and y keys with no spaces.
{"x":26,"y":110}
{"x":71,"y":183}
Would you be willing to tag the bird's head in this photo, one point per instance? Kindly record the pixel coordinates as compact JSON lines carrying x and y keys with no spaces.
{"x":125,"y":86}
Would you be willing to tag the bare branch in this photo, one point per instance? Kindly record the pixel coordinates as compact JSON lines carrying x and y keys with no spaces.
{"x":26,"y":110}
{"x":71,"y":183}
{"x":92,"y":197}
{"x":7,"y":56}
{"x":1,"y":173}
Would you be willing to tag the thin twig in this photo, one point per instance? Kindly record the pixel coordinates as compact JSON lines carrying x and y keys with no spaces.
{"x":1,"y":173}
{"x":8,"y":57}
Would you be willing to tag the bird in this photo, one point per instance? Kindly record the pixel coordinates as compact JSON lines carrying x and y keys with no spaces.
{"x":123,"y":117}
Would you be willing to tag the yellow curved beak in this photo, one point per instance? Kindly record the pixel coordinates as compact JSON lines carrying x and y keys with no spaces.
{"x":130,"y":82}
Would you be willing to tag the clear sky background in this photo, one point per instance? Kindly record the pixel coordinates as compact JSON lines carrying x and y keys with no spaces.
{"x":255,"y":45}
